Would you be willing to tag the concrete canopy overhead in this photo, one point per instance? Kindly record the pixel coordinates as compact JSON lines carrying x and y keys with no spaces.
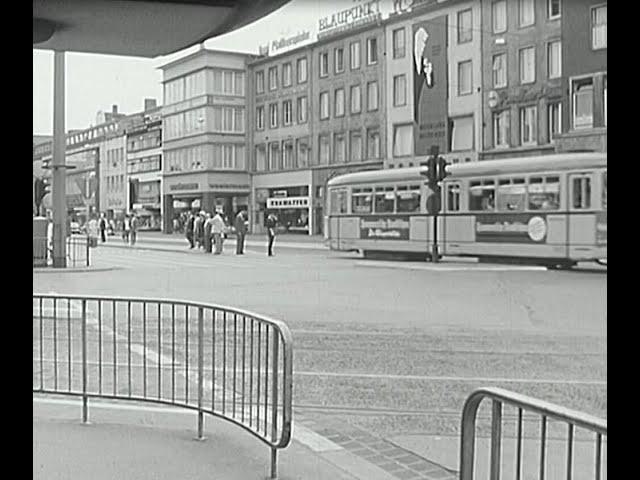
{"x":137,"y":27}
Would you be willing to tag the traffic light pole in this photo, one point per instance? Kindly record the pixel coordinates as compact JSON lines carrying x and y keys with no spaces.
{"x":434,"y":251}
{"x":59,"y":200}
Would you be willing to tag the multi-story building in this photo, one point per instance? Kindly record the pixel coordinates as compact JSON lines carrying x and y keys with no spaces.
{"x":144,"y":166}
{"x":584,"y":76}
{"x":204,"y":134}
{"x":317,"y":111}
{"x":112,"y":177}
{"x":433,"y":79}
{"x":522,"y":76}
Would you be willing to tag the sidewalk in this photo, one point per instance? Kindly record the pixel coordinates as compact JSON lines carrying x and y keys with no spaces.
{"x":136,"y":441}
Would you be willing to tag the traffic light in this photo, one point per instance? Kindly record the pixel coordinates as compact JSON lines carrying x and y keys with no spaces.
{"x":41,"y":188}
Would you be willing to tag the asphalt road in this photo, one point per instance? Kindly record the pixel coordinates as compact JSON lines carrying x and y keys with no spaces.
{"x":391,"y":347}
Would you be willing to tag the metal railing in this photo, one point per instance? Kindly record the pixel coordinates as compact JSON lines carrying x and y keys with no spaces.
{"x":222,"y":361}
{"x":594,"y":431}
{"x":77,"y":251}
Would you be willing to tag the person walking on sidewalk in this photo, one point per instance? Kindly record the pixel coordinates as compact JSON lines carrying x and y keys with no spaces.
{"x":208,"y":225}
{"x":188,"y":229}
{"x":103,"y":228}
{"x":126,"y":229}
{"x":134,"y":229}
{"x":198,"y":230}
{"x":272,"y":222}
{"x":218,"y":230}
{"x":241,"y":231}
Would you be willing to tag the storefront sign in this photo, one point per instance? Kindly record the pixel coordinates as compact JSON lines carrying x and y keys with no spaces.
{"x":184,"y":186}
{"x":229,"y":186}
{"x":284,"y":43}
{"x":430,"y":85}
{"x":384,"y":228}
{"x":362,"y":13}
{"x":402,"y":6}
{"x":523,"y":228}
{"x":288,"y":202}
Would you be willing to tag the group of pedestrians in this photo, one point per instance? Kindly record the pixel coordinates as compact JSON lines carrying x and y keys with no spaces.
{"x":130,"y":229}
{"x":207,"y":232}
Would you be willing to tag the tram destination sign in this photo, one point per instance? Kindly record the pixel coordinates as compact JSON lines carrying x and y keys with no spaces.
{"x":384,"y":228}
{"x":511,"y":228}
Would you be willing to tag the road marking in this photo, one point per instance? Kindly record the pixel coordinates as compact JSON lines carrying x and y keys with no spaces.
{"x":447,"y":268}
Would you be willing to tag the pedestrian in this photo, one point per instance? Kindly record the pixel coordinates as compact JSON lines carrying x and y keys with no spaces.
{"x":272,"y":222}
{"x":134,"y":228}
{"x":218,"y":230}
{"x":208,"y":225}
{"x":241,"y":231}
{"x":198,"y":230}
{"x":92,"y":231}
{"x":103,"y":228}
{"x":189,"y":230}
{"x":126,"y":228}
{"x":112,"y":227}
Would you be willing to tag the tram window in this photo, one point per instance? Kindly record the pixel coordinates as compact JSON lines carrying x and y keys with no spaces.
{"x":361,"y":200}
{"x":408,"y":198}
{"x":482,"y":195}
{"x":338,"y":201}
{"x":453,"y":197}
{"x":544,"y":193}
{"x":604,"y":191}
{"x":581,"y":193}
{"x":384,"y":200}
{"x":511,"y":194}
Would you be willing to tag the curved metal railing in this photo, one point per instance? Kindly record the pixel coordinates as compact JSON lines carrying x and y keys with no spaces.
{"x":499,"y":397}
{"x":223,"y":361}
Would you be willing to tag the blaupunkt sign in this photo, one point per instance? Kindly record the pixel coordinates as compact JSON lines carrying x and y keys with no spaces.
{"x":384,"y":228}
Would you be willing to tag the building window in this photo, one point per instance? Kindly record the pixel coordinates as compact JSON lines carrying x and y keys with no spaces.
{"x":528,"y":126}
{"x":273,"y":115}
{"x":302,"y":109}
{"x":527,"y":65}
{"x":302,"y":152}
{"x":372,"y":96}
{"x":553,"y":9}
{"x":324,"y":105}
{"x":274,"y":156}
{"x":339,"y":102}
{"x":356,"y":101}
{"x":260,"y":118}
{"x":599,"y":27}
{"x":339,"y":60}
{"x":302,"y":69}
{"x":324,"y":64}
{"x":355,"y":55}
{"x":372,"y":51}
{"x":465,"y":25}
{"x":501,"y":129}
{"x":355,"y":148}
{"x":500,"y":70}
{"x":261,"y":158}
{"x":288,"y":159}
{"x":287,"y":112}
{"x":465,"y":78}
{"x":399,"y":90}
{"x":462,"y":134}
{"x":259,"y":82}
{"x":402,"y":140}
{"x":273,"y":78}
{"x":554,"y":59}
{"x":399,"y":43}
{"x":499,"y":16}
{"x":238,"y":83}
{"x":604,"y":99}
{"x":339,"y":148}
{"x":227,"y":78}
{"x":323,"y":149}
{"x":373,"y":143}
{"x":286,"y":74}
{"x":526,"y":12}
{"x":554,"y":120}
{"x":582,"y":102}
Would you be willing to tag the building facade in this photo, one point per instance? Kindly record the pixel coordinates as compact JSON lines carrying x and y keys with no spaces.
{"x":439,"y":105}
{"x":584,"y":66}
{"x":204,"y":135}
{"x":522,"y":76}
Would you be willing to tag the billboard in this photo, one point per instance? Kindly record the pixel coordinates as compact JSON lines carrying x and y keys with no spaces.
{"x":430,"y":85}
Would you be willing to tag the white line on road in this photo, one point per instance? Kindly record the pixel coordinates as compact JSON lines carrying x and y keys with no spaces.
{"x":447,"y":268}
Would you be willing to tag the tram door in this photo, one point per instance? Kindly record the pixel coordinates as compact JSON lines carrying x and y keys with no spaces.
{"x":582,"y":219}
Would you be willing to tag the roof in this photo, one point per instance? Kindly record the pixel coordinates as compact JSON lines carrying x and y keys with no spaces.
{"x":142,"y":28}
{"x":541,"y":163}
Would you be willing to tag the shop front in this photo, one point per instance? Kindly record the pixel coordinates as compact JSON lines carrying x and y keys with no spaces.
{"x":145,"y":202}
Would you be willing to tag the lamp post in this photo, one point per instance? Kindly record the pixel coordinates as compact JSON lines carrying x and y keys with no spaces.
{"x":59,"y":194}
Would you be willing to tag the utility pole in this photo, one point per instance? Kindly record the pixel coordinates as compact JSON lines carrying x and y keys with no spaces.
{"x":59,"y":200}
{"x":436,"y":172}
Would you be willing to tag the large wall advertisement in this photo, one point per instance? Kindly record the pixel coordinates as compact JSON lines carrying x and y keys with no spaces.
{"x":430,"y":85}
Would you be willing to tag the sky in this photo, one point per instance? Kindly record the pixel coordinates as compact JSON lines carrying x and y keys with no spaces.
{"x":96,"y":82}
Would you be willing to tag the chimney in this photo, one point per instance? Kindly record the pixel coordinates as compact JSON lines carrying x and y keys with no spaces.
{"x":114,"y":109}
{"x":149,"y":104}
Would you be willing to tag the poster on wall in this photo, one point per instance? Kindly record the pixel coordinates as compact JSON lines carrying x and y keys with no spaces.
{"x":430,"y":85}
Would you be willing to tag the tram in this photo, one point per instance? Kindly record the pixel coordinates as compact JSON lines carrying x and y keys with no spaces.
{"x":547,"y":210}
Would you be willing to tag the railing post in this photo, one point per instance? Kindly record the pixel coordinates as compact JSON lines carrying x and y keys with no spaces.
{"x":274,"y":404}
{"x":85,"y":400}
{"x":200,"y":372}
{"x":496,"y":439}
{"x":88,"y":250}
{"x":468,"y":437}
